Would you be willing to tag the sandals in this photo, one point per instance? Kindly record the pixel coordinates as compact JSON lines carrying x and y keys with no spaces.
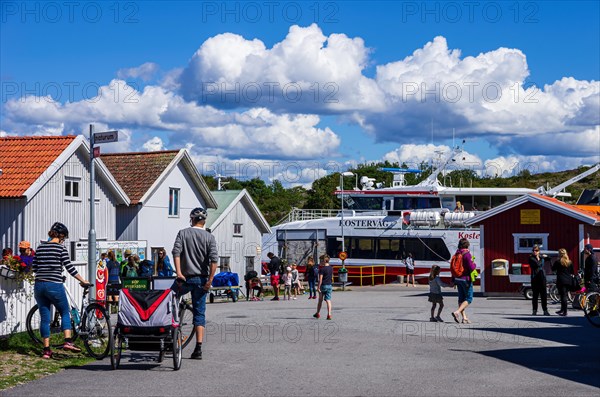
{"x":455,"y":317}
{"x":466,"y":321}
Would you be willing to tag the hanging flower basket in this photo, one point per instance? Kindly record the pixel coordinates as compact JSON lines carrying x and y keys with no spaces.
{"x":13,"y":267}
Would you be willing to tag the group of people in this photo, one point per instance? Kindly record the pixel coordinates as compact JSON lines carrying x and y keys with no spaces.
{"x":26,"y":255}
{"x":319,"y":277}
{"x":463,"y":283}
{"x":131,"y":266}
{"x":566,"y":279}
{"x":563,"y":268}
{"x":195,"y":257}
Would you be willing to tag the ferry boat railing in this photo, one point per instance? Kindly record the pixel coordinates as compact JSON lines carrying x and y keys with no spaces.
{"x":299,"y":214}
{"x":367,"y":271}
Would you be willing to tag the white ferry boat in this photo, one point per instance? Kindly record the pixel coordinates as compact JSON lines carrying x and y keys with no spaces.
{"x":381,"y":226}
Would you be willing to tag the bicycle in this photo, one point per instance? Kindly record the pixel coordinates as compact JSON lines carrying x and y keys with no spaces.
{"x":591,"y":307}
{"x":91,"y":323}
{"x":555,"y":296}
{"x":186,"y":324}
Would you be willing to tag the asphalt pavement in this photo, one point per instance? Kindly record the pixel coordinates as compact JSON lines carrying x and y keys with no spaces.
{"x":380,"y":342}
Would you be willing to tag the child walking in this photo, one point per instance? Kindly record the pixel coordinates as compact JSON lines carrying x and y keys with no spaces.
{"x":435,"y":293}
{"x":287,"y":281}
{"x":296,"y":285}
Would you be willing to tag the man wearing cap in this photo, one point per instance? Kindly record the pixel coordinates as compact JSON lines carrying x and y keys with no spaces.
{"x":590,"y":267}
{"x":196,"y":257}
{"x":26,"y":254}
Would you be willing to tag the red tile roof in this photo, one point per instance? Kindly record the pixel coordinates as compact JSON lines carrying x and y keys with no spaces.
{"x":24,"y":159}
{"x":136,"y":172}
{"x":570,"y":207}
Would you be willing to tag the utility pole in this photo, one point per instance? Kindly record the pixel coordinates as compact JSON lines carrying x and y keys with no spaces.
{"x":100,"y":137}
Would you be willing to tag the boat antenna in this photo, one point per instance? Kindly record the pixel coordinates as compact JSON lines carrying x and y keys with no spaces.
{"x":432,"y":131}
{"x":453,"y":135}
{"x":220,"y":183}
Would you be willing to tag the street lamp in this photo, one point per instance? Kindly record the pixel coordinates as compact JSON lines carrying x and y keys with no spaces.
{"x":343,"y":273}
{"x":342,"y":175}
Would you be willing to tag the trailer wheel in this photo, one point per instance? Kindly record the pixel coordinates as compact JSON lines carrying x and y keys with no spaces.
{"x":528,"y":293}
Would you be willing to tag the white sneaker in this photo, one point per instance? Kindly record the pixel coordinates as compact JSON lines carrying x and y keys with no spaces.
{"x":294,"y":298}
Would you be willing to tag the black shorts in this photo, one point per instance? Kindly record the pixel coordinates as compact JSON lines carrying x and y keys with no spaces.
{"x":113,"y":289}
{"x":410,"y":271}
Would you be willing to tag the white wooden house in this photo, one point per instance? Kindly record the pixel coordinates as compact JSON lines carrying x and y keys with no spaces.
{"x":238,"y":226}
{"x":44,"y":180}
{"x":164,"y":187}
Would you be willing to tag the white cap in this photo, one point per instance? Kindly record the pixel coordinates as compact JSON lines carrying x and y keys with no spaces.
{"x":288,"y":268}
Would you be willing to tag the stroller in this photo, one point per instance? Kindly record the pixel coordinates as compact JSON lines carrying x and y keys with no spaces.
{"x":148,"y":321}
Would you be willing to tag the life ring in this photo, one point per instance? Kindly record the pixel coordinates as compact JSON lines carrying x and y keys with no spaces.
{"x":406,"y":218}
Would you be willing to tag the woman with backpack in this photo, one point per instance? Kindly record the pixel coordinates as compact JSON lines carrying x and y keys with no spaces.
{"x":131,"y":268}
{"x":461,"y":266}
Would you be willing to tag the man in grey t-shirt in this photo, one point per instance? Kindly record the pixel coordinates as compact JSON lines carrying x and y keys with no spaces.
{"x":195,"y":256}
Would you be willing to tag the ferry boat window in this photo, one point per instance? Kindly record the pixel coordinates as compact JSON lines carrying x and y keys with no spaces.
{"x":483,"y":203}
{"x":428,"y":202}
{"x":413,"y":203}
{"x":498,"y":200}
{"x":448,"y":203}
{"x":366,"y":203}
{"x":467,"y":201}
{"x":363,"y":248}
{"x":404,"y":203}
{"x":388,"y":249}
{"x":426,"y":249}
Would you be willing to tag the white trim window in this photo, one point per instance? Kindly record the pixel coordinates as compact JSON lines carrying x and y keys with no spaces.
{"x":237,"y":229}
{"x":524,"y":242}
{"x":174,"y":202}
{"x":72,"y":191}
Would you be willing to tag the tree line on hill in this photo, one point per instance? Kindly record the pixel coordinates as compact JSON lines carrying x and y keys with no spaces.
{"x":275,"y":201}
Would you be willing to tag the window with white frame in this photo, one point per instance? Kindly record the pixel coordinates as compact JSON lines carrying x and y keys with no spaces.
{"x":237,"y":229}
{"x":72,"y":188}
{"x":524,"y":242}
{"x":174,"y":202}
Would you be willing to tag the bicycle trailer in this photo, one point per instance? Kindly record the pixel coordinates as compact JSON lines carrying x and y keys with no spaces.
{"x":148,"y":321}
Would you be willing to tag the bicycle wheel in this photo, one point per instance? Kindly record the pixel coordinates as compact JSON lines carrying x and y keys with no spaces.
{"x":33,"y":321}
{"x":591,"y":308}
{"x":116,"y":350}
{"x":177,"y":348}
{"x":186,"y":323}
{"x":96,"y":331}
{"x":553,"y":291}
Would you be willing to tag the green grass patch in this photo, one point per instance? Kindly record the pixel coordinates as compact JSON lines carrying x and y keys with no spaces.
{"x":21,"y":360}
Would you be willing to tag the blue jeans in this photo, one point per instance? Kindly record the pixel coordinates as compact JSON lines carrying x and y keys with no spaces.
{"x":465,"y":290}
{"x":195,"y":285}
{"x":47,"y":294}
{"x":312,"y":287}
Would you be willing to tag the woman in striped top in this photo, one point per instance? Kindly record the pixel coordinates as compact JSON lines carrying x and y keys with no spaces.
{"x":50,"y":258}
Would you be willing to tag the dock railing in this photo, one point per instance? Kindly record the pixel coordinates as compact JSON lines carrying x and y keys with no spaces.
{"x":362,"y":272}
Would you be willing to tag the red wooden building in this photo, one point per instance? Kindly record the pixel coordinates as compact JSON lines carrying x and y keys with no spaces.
{"x":509,"y":231}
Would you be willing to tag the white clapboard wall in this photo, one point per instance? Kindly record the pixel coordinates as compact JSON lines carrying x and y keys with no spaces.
{"x":16,"y":299}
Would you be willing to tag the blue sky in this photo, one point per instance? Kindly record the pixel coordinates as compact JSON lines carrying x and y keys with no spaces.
{"x":375,"y":60}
